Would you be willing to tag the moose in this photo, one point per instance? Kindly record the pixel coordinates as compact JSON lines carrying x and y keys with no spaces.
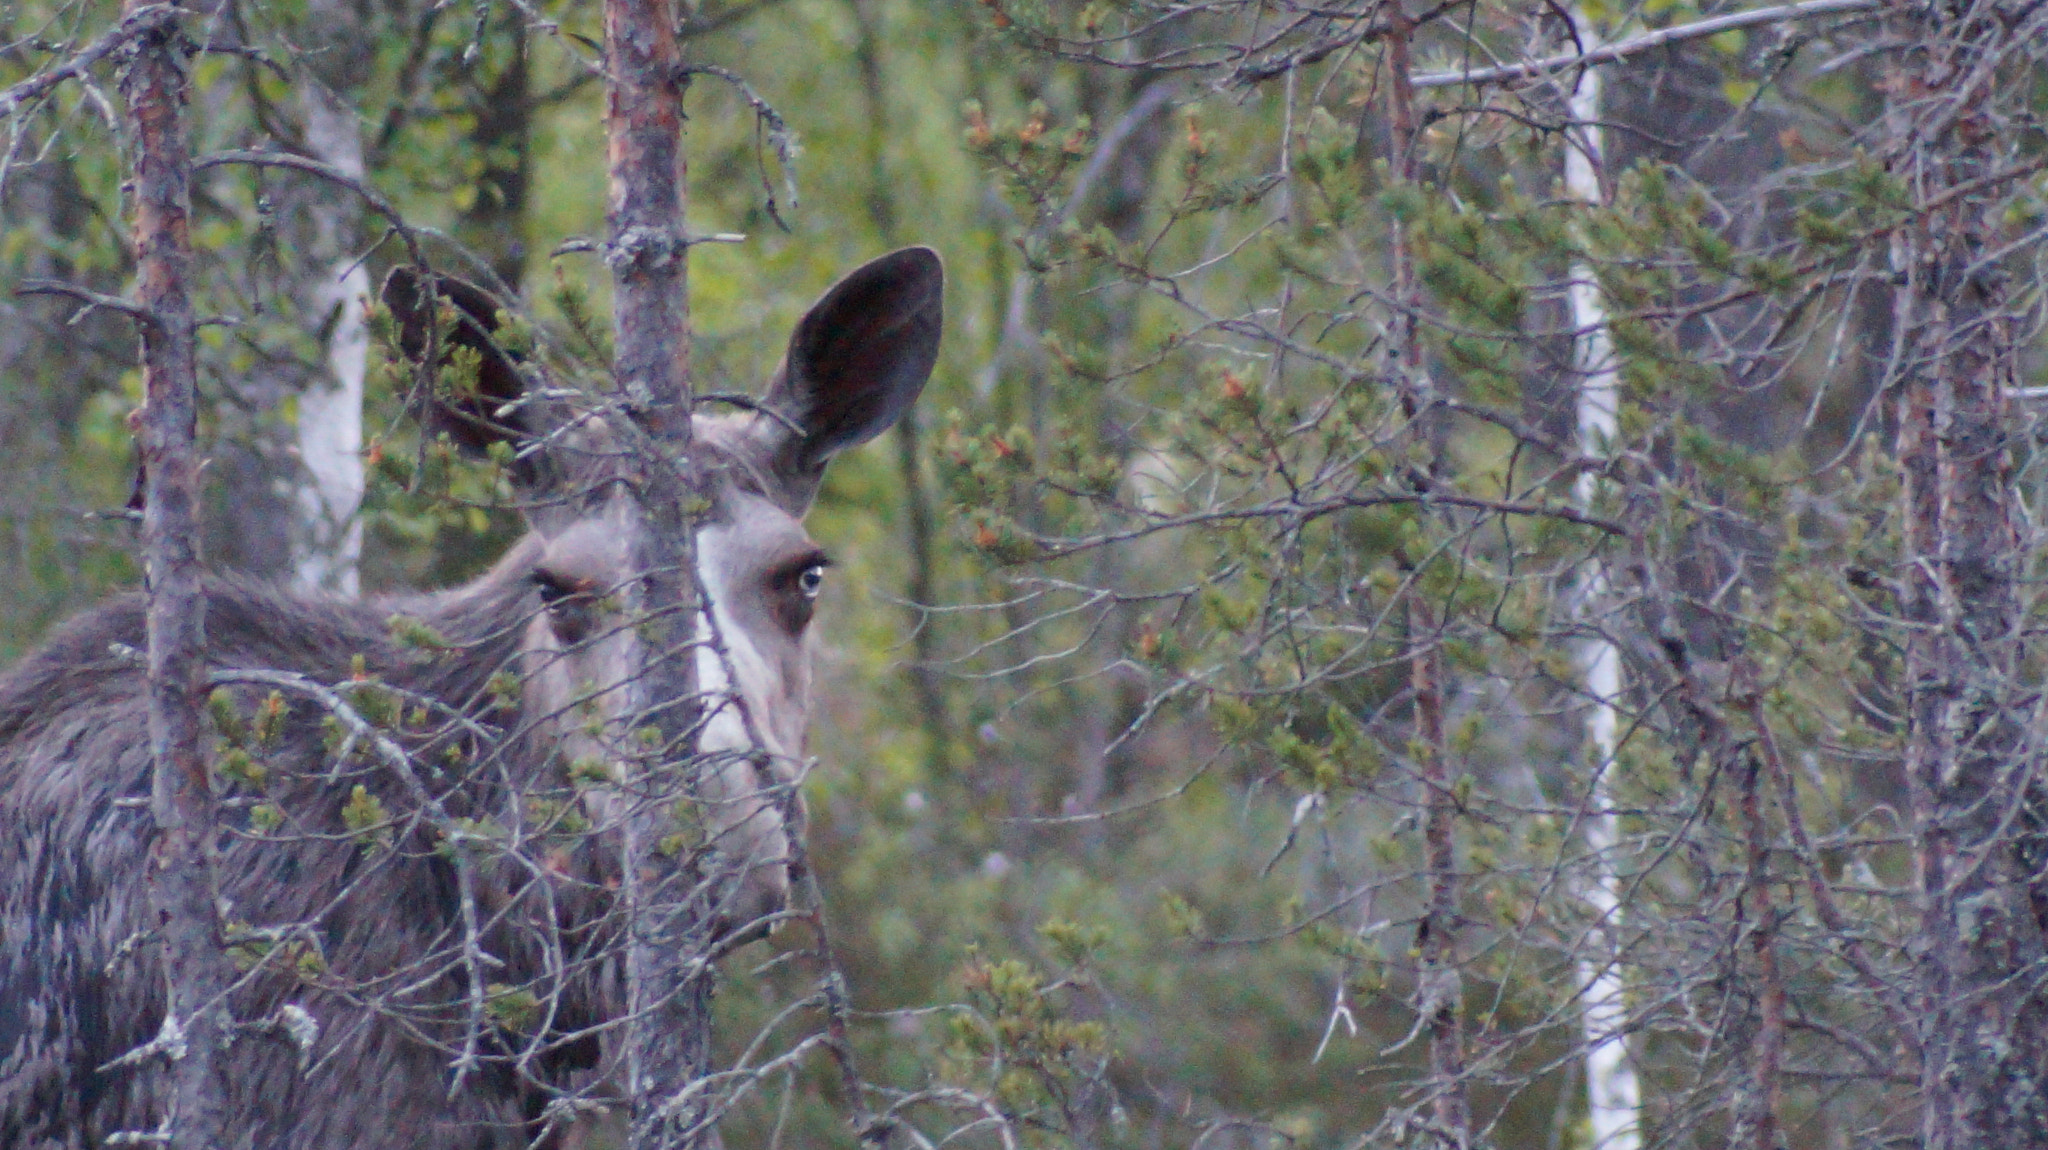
{"x":419,"y":863}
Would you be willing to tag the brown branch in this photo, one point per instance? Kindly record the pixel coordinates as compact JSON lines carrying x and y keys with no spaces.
{"x":868,"y":1129}
{"x":139,"y":22}
{"x":1842,"y":936}
{"x":1056,"y":547}
{"x":1757,"y":1101}
{"x":1564,"y":511}
{"x":1985,"y":182}
{"x":1281,"y":63}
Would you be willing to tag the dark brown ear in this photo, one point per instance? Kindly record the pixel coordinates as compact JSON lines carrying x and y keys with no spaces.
{"x":857,"y":361}
{"x":474,"y":417}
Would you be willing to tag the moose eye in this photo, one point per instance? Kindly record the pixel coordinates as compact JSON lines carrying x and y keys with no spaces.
{"x":553,"y":589}
{"x":792,"y":590}
{"x":570,"y":605}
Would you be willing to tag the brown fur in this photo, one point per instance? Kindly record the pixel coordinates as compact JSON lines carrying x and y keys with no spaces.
{"x":80,"y":990}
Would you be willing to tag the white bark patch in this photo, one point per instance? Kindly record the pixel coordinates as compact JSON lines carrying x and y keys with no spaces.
{"x":1613,"y":1093}
{"x":328,"y":546}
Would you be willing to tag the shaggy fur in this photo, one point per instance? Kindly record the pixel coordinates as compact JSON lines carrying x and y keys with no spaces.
{"x":78,"y":980}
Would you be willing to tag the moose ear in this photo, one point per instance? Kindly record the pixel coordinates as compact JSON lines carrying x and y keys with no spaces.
{"x":857,"y":361}
{"x":475,"y":417}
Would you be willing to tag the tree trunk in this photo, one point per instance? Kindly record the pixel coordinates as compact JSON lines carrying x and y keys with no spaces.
{"x":668,"y":985}
{"x":1613,"y":1094}
{"x":1978,"y":810}
{"x":181,"y":790}
{"x":327,"y":540}
{"x":1439,"y":979}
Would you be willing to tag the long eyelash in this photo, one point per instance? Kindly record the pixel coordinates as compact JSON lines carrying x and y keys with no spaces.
{"x":553,"y":588}
{"x":794,"y":570}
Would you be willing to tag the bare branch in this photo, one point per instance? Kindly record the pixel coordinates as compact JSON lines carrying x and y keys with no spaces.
{"x":91,"y":299}
{"x":330,"y":173}
{"x":137,"y":22}
{"x":1636,"y":46}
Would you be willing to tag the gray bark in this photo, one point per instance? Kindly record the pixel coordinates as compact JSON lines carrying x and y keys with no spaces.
{"x":668,"y":987}
{"x":1979,"y":808}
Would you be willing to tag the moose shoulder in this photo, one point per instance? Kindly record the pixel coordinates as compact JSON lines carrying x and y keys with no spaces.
{"x":421,"y":791}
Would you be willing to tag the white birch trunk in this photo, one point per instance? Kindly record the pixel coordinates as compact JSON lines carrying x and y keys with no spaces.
{"x":1613,"y":1095}
{"x":328,"y":542}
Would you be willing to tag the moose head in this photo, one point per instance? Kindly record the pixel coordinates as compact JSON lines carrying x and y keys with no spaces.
{"x":856,"y":362}
{"x":386,"y":893}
